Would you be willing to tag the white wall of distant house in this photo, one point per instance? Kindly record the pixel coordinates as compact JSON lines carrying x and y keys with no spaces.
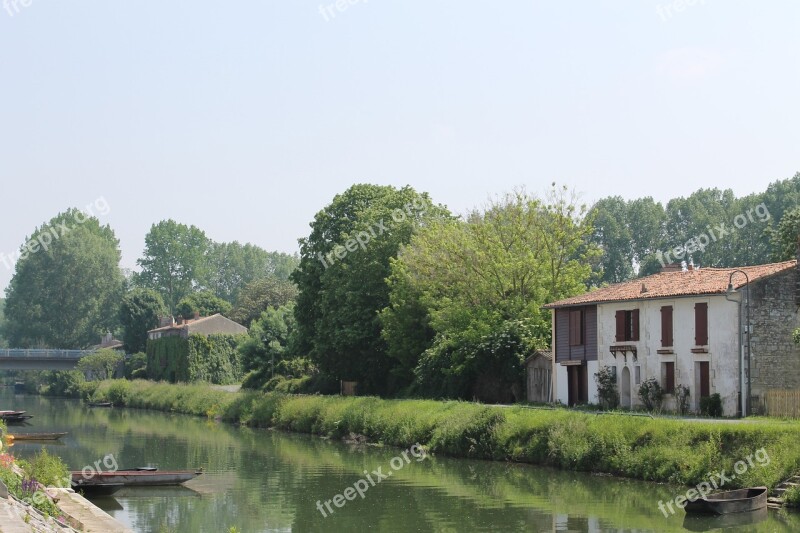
{"x":723,"y":356}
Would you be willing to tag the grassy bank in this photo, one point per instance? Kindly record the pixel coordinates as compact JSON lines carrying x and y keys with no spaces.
{"x":651,"y":449}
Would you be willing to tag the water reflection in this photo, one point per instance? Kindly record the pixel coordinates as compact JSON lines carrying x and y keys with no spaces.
{"x":259,"y":480}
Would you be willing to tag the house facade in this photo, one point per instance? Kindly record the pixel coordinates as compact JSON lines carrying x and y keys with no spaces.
{"x":682,"y":327}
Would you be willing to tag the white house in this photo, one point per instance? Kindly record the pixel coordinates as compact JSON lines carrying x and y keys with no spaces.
{"x":679,"y":327}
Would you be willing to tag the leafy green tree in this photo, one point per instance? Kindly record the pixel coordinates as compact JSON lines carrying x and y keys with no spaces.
{"x":267,"y":344}
{"x":3,"y":343}
{"x":203,"y":302}
{"x":139,"y":313}
{"x":478,"y":282}
{"x":230,"y":267}
{"x":260,"y":295}
{"x":67,"y":284}
{"x":612,"y":234}
{"x":174,"y":260}
{"x":101,"y":364}
{"x":786,"y":237}
{"x":341,"y":278}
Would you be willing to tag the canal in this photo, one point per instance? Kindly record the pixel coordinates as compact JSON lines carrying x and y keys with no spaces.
{"x":260,"y":480}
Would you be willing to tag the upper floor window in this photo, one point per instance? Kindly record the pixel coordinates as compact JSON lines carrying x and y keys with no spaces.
{"x":576,"y":327}
{"x":666,"y":327}
{"x":628,"y":325}
{"x":701,"y":324}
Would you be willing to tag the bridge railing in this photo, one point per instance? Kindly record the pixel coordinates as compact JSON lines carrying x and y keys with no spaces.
{"x":37,"y":353}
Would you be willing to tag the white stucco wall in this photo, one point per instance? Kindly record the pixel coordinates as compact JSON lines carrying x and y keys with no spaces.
{"x":723,"y":356}
{"x":562,"y":386}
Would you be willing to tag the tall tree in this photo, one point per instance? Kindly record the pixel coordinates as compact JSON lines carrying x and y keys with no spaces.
{"x":67,"y":284}
{"x":786,"y":237}
{"x":203,"y":303}
{"x":174,"y":260}
{"x":613,"y":235}
{"x":138,"y":314}
{"x":260,"y":295}
{"x":231,"y":266}
{"x":341,"y":278}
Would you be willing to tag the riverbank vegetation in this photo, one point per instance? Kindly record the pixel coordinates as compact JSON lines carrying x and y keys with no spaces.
{"x":662,"y":450}
{"x":27,"y":479}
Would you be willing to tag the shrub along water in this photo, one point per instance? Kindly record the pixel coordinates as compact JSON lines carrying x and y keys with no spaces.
{"x":663,"y":450}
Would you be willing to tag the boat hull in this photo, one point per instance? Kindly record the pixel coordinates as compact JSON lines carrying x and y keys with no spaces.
{"x":134,"y":478}
{"x":733,"y":501}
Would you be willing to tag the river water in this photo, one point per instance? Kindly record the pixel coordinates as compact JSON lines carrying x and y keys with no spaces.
{"x":261,"y":480}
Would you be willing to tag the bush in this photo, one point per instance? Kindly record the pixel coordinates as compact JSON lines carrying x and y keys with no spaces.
{"x":651,"y":394}
{"x":792,"y":497}
{"x":47,"y":469}
{"x":711,"y":405}
{"x":607,"y":393}
{"x":682,"y":399}
{"x":101,"y":364}
{"x":136,"y":366}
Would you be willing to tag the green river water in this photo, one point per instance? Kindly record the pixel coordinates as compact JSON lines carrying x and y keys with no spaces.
{"x":260,"y":480}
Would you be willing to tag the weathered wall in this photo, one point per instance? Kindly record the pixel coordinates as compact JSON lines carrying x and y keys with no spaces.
{"x":773,"y":315}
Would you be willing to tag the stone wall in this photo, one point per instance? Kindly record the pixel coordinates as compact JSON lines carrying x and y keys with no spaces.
{"x":774,"y":315}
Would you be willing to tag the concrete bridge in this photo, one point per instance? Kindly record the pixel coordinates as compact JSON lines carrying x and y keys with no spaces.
{"x":40,"y":359}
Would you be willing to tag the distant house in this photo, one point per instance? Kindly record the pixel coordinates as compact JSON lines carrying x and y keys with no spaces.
{"x":108,"y":341}
{"x":682,"y":327}
{"x":208,"y":325}
{"x":539,"y":371}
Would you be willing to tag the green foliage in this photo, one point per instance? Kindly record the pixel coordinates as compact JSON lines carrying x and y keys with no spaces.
{"x":167,"y":358}
{"x":792,"y":497}
{"x":342,"y":291}
{"x":3,"y":343}
{"x":204,"y":303}
{"x":136,"y":366}
{"x":173,"y":260}
{"x":651,"y":394}
{"x":267,"y":344}
{"x":786,"y":237}
{"x":208,"y":358}
{"x":101,"y":364}
{"x":230,"y":267}
{"x":682,"y":399}
{"x":67,"y":295}
{"x":64,"y":383}
{"x":711,"y":405}
{"x":260,"y":295}
{"x":608,"y":395}
{"x":460,"y":287}
{"x":49,"y":470}
{"x":138,"y":314}
{"x":796,"y":336}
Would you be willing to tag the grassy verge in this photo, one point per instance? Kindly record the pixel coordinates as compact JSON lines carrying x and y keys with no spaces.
{"x":650,"y":449}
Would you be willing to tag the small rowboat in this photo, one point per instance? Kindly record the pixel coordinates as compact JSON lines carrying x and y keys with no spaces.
{"x":100,"y":404}
{"x":132,"y":478}
{"x":732,"y":501}
{"x":13,"y":418}
{"x":35,"y":436}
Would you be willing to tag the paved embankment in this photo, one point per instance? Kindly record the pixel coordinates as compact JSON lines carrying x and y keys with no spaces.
{"x":17,"y":517}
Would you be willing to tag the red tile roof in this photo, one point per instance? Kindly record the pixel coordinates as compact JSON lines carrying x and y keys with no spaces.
{"x":187,"y":322}
{"x":671,"y":284}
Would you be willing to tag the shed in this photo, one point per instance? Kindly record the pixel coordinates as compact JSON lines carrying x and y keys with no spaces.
{"x":539,"y":370}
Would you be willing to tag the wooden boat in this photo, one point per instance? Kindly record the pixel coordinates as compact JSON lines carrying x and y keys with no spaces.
{"x":100,"y":404}
{"x":14,"y":418}
{"x":706,"y":522}
{"x":732,"y":501}
{"x":98,"y":489}
{"x":134,"y":478}
{"x":35,"y":436}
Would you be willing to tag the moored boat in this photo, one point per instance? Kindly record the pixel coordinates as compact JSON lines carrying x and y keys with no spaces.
{"x":100,"y":404}
{"x":35,"y":436}
{"x":133,"y":478}
{"x":732,"y":501}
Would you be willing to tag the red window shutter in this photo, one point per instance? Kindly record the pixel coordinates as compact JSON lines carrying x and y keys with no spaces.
{"x":666,"y":326}
{"x":620,"y":326}
{"x":669,"y":381}
{"x":701,"y":324}
{"x":635,"y":325}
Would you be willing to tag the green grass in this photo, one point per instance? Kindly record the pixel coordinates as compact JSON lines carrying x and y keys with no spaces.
{"x":663,"y":450}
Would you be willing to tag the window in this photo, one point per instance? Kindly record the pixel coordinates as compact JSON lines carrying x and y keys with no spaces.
{"x":666,"y":327}
{"x":668,"y":377}
{"x":701,"y":324}
{"x":637,"y":371}
{"x":576,"y":327}
{"x":628,"y":325}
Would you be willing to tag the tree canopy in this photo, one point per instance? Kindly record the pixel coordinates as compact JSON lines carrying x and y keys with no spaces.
{"x":260,"y":295}
{"x":139,"y":313}
{"x":66,"y":286}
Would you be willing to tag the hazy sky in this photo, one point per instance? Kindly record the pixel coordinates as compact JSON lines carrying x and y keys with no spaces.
{"x":245,"y":118}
